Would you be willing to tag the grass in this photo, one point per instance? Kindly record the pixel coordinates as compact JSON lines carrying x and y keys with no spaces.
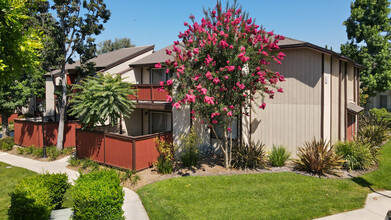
{"x":9,"y":178}
{"x":262,"y":196}
{"x":380,"y":178}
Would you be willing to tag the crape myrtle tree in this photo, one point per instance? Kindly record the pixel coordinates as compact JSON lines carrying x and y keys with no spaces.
{"x":220,"y":67}
{"x":78,"y":21}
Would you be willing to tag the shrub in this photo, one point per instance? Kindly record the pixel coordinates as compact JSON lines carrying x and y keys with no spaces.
{"x":98,"y":195}
{"x":29,"y":150}
{"x":373,"y":130}
{"x":88,"y":163}
{"x":188,"y":150}
{"x":35,"y":197}
{"x":318,"y":157}
{"x":74,"y":161}
{"x":278,"y":156}
{"x":165,"y":160}
{"x":357,"y":155}
{"x":248,"y":156}
{"x":20,"y":150}
{"x":7,"y":143}
{"x":126,"y":174}
{"x":381,"y":113}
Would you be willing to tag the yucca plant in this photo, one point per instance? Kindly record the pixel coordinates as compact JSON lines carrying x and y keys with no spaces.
{"x":278,"y":156}
{"x":248,"y":156}
{"x":357,"y":155}
{"x":373,"y":130}
{"x":101,"y":97}
{"x":318,"y":157}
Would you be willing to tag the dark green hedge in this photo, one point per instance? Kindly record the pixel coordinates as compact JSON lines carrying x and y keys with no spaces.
{"x":35,"y":197}
{"x":98,"y":195}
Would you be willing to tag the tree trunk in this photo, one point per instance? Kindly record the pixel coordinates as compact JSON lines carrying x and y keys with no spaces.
{"x":62,"y":106}
{"x":4,"y":125}
{"x":227,"y":163}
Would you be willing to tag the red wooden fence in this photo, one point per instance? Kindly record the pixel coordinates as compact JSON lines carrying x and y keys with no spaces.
{"x":117,"y":150}
{"x":149,"y":92}
{"x":29,"y":133}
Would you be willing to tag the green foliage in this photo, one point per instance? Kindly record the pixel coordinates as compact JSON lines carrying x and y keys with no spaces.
{"x":108,"y":45}
{"x":278,"y":156}
{"x":357,"y":155}
{"x":7,"y":143}
{"x":89,"y":163}
{"x":19,"y":43}
{"x":248,"y":156}
{"x":165,"y":160}
{"x":35,"y":197}
{"x":51,"y":151}
{"x":368,"y":31}
{"x":125,"y":174}
{"x":318,"y":157}
{"x":98,"y":195}
{"x":74,"y":161}
{"x":188,"y":150}
{"x":381,"y":114}
{"x":373,"y":130}
{"x":100,"y":98}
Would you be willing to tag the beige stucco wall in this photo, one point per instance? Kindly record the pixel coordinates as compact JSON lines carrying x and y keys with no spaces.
{"x":334,"y":99}
{"x":49,"y":97}
{"x":132,"y":126}
{"x":293,"y":117}
{"x":327,"y":98}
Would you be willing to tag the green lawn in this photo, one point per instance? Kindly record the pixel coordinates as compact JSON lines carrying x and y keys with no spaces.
{"x":261,"y":196}
{"x":9,"y":177}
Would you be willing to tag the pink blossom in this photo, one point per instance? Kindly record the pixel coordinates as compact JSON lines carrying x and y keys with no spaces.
{"x":209,"y":100}
{"x":209,"y":75}
{"x":241,"y":86}
{"x":265,"y":53}
{"x":196,"y":78}
{"x":167,"y":70}
{"x":282,"y":78}
{"x":190,"y":98}
{"x":230,"y":68}
{"x":262,"y":106}
{"x":249,"y":21}
{"x":214,"y":121}
{"x":169,"y":98}
{"x":208,"y":59}
{"x":226,"y":77}
{"x":229,"y":129}
{"x":161,"y":83}
{"x":214,"y":114}
{"x":185,"y":24}
{"x":176,"y":105}
{"x":281,"y":55}
{"x":168,"y":52}
{"x":216,"y":80}
{"x":192,"y":112}
{"x":203,"y":91}
{"x":176,"y":42}
{"x":191,"y":17}
{"x":202,"y":122}
{"x":225,"y":109}
{"x":196,"y":50}
{"x":231,"y":107}
{"x":160,"y":89}
{"x":192,"y":117}
{"x":280,"y":90}
{"x":158,"y":65}
{"x":229,"y":113}
{"x":169,"y":82}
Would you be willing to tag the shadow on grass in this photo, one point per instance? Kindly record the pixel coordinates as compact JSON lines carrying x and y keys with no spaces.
{"x":362,"y":182}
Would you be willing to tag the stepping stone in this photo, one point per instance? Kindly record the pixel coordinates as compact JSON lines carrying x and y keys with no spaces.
{"x":61,"y":214}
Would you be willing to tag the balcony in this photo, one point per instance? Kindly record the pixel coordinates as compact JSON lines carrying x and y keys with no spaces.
{"x":149,"y":97}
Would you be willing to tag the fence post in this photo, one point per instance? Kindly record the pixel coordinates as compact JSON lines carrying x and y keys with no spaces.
{"x":133,"y":154}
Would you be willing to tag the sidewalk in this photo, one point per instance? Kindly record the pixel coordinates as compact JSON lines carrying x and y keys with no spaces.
{"x":376,"y":207}
{"x":133,"y":208}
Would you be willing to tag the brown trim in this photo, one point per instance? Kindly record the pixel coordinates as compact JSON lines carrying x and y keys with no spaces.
{"x":319,"y":49}
{"x":339,"y":99}
{"x":358,"y":87}
{"x":124,"y":71}
{"x":354,"y":84}
{"x":134,"y":154}
{"x":331,"y":98}
{"x":104,"y":147}
{"x":142,"y":121}
{"x":250,"y":129}
{"x":322,"y":100}
{"x":157,"y":106}
{"x":142,"y":73}
{"x":346,"y":99}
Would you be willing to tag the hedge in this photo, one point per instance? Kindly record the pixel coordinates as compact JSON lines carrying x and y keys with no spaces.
{"x":98,"y":195}
{"x":35,"y":197}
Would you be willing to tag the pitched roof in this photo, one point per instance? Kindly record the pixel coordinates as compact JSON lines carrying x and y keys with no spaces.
{"x":106,"y":60}
{"x":161,"y":56}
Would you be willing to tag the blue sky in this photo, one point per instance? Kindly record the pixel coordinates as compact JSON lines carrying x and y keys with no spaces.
{"x":155,"y":22}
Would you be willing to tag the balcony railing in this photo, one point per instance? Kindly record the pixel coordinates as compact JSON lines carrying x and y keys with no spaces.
{"x":149,"y":93}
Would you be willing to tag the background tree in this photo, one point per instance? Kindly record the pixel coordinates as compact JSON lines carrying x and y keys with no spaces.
{"x":368,"y":30}
{"x":108,"y":45}
{"x":74,"y":36}
{"x":100,"y":98}
{"x":222,"y":64}
{"x":18,"y":42}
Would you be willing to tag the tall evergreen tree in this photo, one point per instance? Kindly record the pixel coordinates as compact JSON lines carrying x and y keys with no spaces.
{"x":369,"y":30}
{"x":118,"y":43}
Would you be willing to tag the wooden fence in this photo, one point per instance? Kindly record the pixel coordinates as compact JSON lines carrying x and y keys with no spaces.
{"x":117,"y":150}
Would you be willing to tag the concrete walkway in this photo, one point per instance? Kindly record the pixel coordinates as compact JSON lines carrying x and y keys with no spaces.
{"x":132,"y":206}
{"x":376,"y":207}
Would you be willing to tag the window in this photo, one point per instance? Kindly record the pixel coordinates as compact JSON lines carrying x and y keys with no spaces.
{"x":158,"y":75}
{"x":159,"y":122}
{"x":383,"y":101}
{"x":234,"y":127}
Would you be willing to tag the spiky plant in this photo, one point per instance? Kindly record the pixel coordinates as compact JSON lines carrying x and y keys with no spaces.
{"x":373,"y":130}
{"x":318,"y":157}
{"x":100,"y":98}
{"x":278,"y":156}
{"x":357,"y":155}
{"x":248,"y":156}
